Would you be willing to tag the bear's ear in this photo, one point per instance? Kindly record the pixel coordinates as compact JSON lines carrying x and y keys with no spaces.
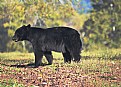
{"x":29,"y":25}
{"x":23,"y":26}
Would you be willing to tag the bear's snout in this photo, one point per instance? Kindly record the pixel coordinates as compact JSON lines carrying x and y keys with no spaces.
{"x":14,"y":39}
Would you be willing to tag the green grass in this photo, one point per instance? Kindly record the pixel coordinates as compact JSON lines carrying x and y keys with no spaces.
{"x":9,"y":83}
{"x":110,"y":54}
{"x":16,"y":58}
{"x":93,"y":62}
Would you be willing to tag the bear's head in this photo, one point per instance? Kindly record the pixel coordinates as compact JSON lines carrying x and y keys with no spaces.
{"x":21,"y":33}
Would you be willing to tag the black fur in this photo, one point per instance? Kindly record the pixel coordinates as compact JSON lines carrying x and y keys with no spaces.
{"x":59,"y":39}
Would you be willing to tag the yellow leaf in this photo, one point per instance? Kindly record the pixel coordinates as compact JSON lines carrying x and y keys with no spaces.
{"x":6,"y":24}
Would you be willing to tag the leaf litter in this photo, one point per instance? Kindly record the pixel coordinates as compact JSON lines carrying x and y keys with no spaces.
{"x":59,"y":76}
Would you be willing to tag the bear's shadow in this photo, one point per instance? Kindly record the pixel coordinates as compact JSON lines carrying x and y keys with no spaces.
{"x":30,"y":65}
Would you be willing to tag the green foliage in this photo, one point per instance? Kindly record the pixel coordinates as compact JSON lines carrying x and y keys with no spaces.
{"x":16,"y":13}
{"x":100,"y":28}
{"x":103,"y":26}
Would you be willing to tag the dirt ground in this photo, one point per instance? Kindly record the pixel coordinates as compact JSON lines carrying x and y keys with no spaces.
{"x":60,"y":76}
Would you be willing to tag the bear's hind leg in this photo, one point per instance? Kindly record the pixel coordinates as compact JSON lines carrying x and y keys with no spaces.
{"x":49,"y":57}
{"x":67,"y":56}
{"x":76,"y":57}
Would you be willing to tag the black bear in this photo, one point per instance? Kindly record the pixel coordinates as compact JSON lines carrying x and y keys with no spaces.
{"x":59,"y":39}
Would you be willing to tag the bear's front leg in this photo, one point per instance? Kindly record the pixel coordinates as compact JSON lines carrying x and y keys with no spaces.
{"x":38,"y":58}
{"x":49,"y":57}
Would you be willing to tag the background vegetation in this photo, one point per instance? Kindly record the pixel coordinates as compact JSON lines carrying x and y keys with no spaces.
{"x":99,"y":27}
{"x":104,"y":25}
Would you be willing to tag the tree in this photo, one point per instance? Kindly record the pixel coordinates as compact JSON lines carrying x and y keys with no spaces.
{"x":104,"y":25}
{"x":16,"y":13}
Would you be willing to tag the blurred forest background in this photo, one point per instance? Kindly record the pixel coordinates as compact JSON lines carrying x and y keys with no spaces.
{"x":98,"y":21}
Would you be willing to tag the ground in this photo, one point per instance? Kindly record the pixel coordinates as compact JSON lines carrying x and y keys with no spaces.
{"x":97,"y":69}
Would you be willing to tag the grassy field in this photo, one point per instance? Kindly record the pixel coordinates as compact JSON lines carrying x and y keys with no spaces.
{"x":99,"y":68}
